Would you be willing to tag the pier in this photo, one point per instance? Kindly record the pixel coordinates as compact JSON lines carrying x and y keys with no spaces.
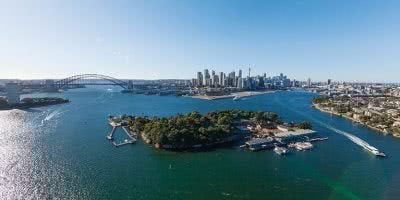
{"x":110,"y":136}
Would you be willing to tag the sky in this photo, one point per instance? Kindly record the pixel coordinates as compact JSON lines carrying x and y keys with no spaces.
{"x":343,"y":40}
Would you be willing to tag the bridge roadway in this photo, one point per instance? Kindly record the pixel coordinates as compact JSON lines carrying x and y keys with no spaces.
{"x":82,"y":79}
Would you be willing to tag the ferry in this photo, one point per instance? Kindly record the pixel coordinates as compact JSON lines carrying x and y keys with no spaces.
{"x":281,"y":150}
{"x":374,"y":150}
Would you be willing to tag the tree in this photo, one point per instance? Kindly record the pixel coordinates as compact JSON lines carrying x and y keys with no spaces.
{"x":304,"y":125}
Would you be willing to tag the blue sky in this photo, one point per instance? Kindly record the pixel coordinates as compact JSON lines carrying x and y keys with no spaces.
{"x":342,"y":40}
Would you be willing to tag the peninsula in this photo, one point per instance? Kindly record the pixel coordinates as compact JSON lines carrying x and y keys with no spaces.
{"x":195,"y":130}
{"x":31,"y":102}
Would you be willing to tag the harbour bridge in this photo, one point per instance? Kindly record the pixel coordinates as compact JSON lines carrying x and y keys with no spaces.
{"x":81,"y":79}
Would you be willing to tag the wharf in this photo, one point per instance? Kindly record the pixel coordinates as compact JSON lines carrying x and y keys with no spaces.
{"x":114,"y":126}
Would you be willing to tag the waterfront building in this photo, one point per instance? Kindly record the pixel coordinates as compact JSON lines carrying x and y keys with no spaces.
{"x":12,"y":91}
{"x":309,"y":82}
{"x":231,"y":80}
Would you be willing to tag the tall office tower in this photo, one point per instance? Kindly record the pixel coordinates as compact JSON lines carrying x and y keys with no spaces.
{"x":233,"y":79}
{"x":329,"y":81}
{"x":265,"y":75}
{"x":206,"y":79}
{"x":199,"y":79}
{"x":212,"y":73}
{"x":309,"y":82}
{"x":212,"y":79}
{"x":195,"y":82}
{"x":240,"y":73}
{"x":216,"y":81}
{"x":221,"y":79}
{"x":240,"y":83}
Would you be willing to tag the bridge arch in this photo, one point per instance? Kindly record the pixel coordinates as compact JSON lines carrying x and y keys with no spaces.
{"x":73,"y":79}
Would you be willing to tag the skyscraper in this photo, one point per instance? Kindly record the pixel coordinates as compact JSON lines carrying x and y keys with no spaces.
{"x":221,"y":78}
{"x":240,"y":83}
{"x":206,"y":79}
{"x":309,"y":82}
{"x":240,"y":73}
{"x":199,"y":79}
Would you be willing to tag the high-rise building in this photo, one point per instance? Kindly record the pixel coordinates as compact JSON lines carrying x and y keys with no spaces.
{"x":329,"y":81}
{"x":199,"y":79}
{"x":206,"y":79}
{"x":215,"y":81}
{"x":233,"y":79}
{"x":240,"y":83}
{"x":221,"y":79}
{"x":240,"y":73}
{"x":309,"y":82}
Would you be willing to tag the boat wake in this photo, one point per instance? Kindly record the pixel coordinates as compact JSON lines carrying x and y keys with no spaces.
{"x":354,"y":139}
{"x":350,"y":136}
{"x":53,"y":114}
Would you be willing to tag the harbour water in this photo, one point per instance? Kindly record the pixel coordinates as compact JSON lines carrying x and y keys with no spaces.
{"x":60,"y":152}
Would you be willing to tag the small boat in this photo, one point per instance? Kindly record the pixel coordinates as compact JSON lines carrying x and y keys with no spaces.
{"x":281,"y":150}
{"x":237,"y":97}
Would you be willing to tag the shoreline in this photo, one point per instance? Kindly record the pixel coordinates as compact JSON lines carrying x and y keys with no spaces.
{"x":232,"y":95}
{"x":35,"y":105}
{"x":353,"y":120}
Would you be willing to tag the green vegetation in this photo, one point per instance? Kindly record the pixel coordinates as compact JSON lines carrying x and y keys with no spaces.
{"x":184,"y":131}
{"x":32,"y":102}
{"x":320,"y":99}
{"x":304,"y":125}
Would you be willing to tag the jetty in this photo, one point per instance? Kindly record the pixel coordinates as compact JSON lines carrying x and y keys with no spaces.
{"x":123,"y":125}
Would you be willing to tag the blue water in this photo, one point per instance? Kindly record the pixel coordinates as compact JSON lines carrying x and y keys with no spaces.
{"x":60,"y":152}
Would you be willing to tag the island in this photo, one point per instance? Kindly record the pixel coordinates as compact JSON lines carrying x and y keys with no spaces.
{"x":379,"y":113}
{"x":31,"y":102}
{"x":194,"y":130}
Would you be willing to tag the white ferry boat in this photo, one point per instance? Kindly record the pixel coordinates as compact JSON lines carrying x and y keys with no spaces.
{"x":374,"y":150}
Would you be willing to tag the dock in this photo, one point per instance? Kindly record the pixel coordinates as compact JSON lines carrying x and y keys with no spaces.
{"x":114,"y":126}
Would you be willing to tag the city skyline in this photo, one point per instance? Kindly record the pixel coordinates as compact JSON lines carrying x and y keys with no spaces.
{"x":353,"y":41}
